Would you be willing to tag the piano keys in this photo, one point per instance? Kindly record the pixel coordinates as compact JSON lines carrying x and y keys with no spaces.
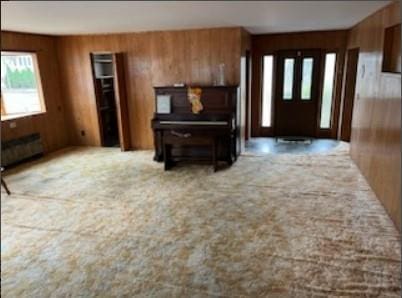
{"x":194,"y":122}
{"x":211,"y":135}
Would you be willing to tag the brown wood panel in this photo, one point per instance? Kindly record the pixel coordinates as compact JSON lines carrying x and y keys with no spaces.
{"x":152,"y":59}
{"x":270,"y":43}
{"x":349,"y":94}
{"x":376,"y":125}
{"x":51,"y":125}
{"x":79,"y":92}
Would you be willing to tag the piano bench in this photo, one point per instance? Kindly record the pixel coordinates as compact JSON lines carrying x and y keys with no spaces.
{"x":183,"y":140}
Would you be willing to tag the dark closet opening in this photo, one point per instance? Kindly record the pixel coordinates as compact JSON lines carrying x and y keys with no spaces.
{"x":103,"y":72}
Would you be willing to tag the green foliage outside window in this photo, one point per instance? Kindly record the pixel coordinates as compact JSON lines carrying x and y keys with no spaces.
{"x":20,"y":79}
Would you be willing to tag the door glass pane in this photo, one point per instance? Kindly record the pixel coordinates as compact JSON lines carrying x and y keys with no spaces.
{"x":267,"y":90}
{"x":288,"y":78}
{"x":307,"y":78}
{"x":327,"y":93}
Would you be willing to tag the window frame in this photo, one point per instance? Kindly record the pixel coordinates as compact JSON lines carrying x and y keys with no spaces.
{"x":39,"y":87}
{"x":334,"y":90}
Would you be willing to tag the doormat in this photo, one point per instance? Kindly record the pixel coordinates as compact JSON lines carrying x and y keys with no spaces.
{"x":295,"y":140}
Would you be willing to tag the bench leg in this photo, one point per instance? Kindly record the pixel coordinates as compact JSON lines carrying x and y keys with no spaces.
{"x":167,"y":156}
{"x":214,"y":157}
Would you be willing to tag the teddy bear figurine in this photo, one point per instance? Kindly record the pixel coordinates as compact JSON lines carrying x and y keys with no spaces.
{"x":194,"y":96}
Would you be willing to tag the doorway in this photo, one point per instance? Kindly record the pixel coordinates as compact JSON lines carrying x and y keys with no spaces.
{"x":296,"y":93}
{"x":111,"y":99}
{"x":248,"y":103}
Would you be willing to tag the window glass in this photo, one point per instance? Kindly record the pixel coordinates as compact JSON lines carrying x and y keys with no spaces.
{"x":19,"y":84}
{"x":267,"y":90}
{"x":307,"y":78}
{"x":328,"y":90}
{"x":288,"y":78}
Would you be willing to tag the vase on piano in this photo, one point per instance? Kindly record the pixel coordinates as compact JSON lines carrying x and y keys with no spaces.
{"x":220,"y":75}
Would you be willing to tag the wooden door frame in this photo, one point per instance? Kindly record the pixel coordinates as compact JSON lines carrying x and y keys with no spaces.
{"x":350,"y":76}
{"x":248,"y":96}
{"x":264,"y":131}
{"x":257,"y":84}
{"x":332,"y":131}
{"x":97,"y":94}
{"x":121,"y":101}
{"x":120,"y":98}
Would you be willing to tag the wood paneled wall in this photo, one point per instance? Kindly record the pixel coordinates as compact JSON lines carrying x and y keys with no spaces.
{"x":376,"y":125}
{"x":270,"y":43}
{"x":152,"y":59}
{"x":51,"y":124}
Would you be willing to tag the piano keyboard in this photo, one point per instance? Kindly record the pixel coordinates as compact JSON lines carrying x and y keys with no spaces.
{"x":195,"y":122}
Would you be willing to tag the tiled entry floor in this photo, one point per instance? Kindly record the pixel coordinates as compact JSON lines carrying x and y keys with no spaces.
{"x":274,"y":145}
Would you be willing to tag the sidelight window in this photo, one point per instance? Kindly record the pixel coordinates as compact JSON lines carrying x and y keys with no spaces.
{"x":328,"y":90}
{"x":268,"y":68}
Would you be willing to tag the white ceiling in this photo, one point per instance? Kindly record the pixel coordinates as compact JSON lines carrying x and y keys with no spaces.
{"x":84,"y":17}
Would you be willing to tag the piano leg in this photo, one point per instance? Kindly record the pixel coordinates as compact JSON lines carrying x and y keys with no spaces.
{"x":230,"y":149}
{"x":214,"y":153}
{"x":167,"y":156}
{"x":158,"y":141}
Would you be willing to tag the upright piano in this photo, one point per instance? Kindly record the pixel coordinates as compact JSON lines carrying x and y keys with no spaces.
{"x":210,"y":135}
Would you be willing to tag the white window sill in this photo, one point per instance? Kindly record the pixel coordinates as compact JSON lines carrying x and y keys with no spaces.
{"x":17,"y":116}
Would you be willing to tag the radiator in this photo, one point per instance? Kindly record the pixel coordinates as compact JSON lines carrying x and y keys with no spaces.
{"x":17,"y":150}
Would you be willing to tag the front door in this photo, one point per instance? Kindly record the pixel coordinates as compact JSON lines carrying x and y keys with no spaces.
{"x":296,"y":96}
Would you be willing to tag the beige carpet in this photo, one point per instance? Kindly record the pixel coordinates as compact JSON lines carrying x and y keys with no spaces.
{"x":99,"y":222}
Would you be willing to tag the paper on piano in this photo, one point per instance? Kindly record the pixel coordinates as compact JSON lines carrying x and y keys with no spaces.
{"x":163,"y":104}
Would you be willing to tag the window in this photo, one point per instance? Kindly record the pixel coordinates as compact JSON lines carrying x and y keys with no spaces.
{"x":267,"y":90}
{"x":288,"y":78}
{"x":21,"y":92}
{"x":307,"y":78}
{"x":328,"y":90}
